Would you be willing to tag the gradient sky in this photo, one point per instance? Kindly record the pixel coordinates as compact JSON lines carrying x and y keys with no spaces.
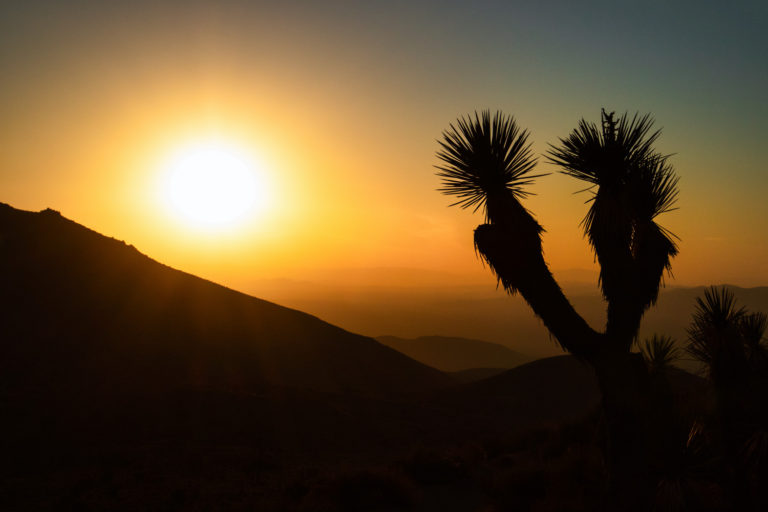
{"x":343,"y":103}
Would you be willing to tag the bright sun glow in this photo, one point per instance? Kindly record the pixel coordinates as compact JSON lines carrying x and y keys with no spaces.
{"x":213,"y":184}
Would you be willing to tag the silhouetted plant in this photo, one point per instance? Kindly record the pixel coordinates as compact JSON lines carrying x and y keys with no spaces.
{"x":485,"y":155}
{"x":730,"y":342}
{"x":659,"y":352}
{"x":356,"y":490}
{"x":715,"y":335}
{"x":487,"y":163}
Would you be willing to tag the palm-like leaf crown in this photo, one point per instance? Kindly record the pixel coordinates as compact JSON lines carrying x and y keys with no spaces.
{"x":659,"y":352}
{"x":753,"y":327}
{"x":715,"y":336}
{"x":631,"y":185}
{"x":485,"y":156}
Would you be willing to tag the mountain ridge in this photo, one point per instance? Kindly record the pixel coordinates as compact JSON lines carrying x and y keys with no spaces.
{"x":455,"y":353}
{"x":109,"y":310}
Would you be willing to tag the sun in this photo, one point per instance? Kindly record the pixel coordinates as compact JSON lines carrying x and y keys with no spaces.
{"x":212,"y":184}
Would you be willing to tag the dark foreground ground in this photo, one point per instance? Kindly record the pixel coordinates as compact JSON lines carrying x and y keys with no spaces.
{"x":528,"y":439}
{"x":533,"y":469}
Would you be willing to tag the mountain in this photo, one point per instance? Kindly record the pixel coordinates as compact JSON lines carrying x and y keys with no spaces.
{"x":552,"y":388}
{"x":455,"y":354}
{"x":86,"y":311}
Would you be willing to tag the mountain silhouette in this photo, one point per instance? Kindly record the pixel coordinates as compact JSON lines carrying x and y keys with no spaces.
{"x":451,"y":354}
{"x":550,"y":389}
{"x":81,"y":309}
{"x":475,"y":374}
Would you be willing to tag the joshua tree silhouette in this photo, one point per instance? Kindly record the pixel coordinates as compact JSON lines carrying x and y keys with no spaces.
{"x":730,"y":342}
{"x":488,"y":163}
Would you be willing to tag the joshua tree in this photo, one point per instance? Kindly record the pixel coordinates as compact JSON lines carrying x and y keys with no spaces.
{"x":488,"y":163}
{"x":730,"y":342}
{"x":728,"y":339}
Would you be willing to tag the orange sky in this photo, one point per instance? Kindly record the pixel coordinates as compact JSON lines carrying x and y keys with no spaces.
{"x":344,"y":105}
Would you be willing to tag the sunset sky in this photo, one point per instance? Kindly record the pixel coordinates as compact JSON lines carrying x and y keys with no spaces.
{"x":339,"y":106}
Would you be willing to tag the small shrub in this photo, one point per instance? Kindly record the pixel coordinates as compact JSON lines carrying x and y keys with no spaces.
{"x":431,"y":468}
{"x":360,"y":490}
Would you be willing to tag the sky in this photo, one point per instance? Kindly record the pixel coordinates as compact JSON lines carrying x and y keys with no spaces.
{"x":342,"y":103}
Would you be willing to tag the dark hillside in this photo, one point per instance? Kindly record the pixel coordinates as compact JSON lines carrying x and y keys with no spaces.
{"x":475,"y":374}
{"x":553,"y":389}
{"x":81,"y":309}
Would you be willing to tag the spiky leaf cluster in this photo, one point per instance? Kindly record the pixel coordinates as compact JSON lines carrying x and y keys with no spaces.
{"x":485,"y":156}
{"x":728,"y":339}
{"x":631,"y":185}
{"x":731,"y":343}
{"x":659,"y":352}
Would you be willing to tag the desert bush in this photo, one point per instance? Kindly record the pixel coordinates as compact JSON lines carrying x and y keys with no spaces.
{"x":368,"y":489}
{"x":431,"y":467}
{"x":574,"y":480}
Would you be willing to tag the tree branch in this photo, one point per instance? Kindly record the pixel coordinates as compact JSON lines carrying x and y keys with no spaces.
{"x":516,"y":258}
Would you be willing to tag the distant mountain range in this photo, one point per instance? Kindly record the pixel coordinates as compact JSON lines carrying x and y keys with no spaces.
{"x":479,"y":311}
{"x":455,"y":354}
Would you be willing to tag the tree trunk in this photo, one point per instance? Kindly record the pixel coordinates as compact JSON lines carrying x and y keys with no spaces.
{"x":625,"y":386}
{"x":514,"y":254}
